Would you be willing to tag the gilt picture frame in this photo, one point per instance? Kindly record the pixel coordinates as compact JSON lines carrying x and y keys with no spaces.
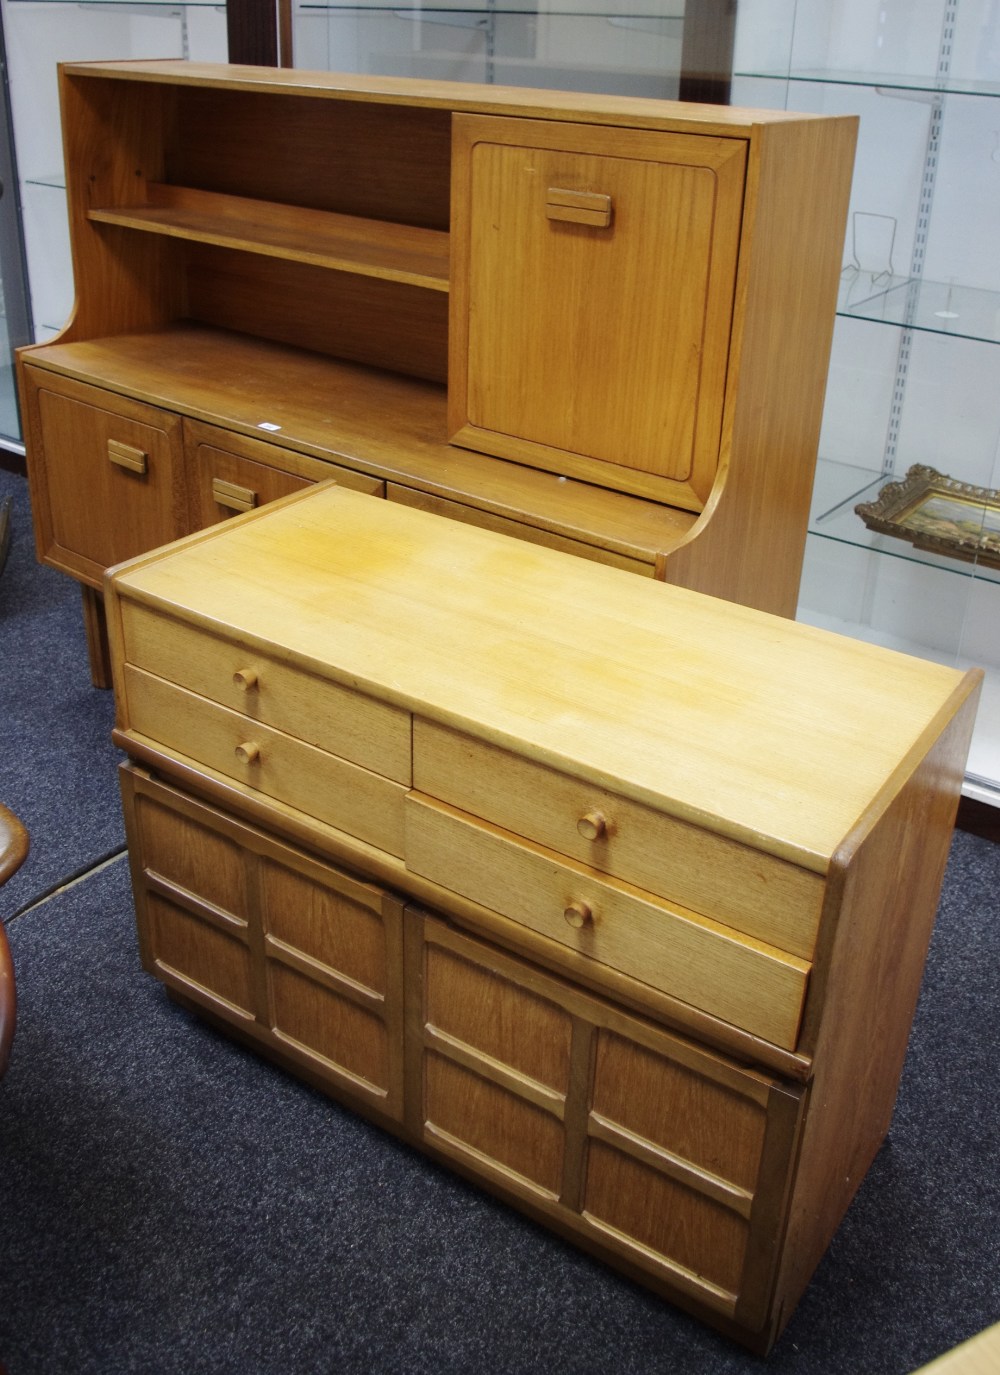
{"x":939,"y":515}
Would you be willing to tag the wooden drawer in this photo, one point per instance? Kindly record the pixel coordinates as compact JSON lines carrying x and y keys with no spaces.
{"x":315,"y":710}
{"x":666,"y":1155}
{"x":331,"y":789}
{"x":754,"y":986}
{"x":229,"y":473}
{"x":301,"y":957}
{"x":758,"y":894}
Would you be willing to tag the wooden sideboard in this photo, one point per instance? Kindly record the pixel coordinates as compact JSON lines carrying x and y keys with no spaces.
{"x":613,"y":896}
{"x":597,"y":323}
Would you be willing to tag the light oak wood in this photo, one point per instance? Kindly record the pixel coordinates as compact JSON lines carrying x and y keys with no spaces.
{"x":757,"y":987}
{"x":977,"y":1356}
{"x":692,"y":1103}
{"x":582,"y":666}
{"x":761,"y":896}
{"x":263,"y":689}
{"x":334,"y":790}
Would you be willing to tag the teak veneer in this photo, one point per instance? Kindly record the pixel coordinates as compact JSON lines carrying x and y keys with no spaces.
{"x":611,"y":895}
{"x":595,"y":323}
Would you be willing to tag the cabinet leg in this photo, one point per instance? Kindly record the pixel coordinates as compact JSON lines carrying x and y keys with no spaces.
{"x":96,"y":627}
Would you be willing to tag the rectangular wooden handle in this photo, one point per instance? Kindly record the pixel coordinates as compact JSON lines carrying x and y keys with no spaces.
{"x":578,"y":207}
{"x":231,"y":496}
{"x":128,"y":456}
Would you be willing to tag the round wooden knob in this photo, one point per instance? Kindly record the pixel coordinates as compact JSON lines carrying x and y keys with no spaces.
{"x":579,"y":914}
{"x":245,"y":679}
{"x":593,"y":826}
{"x":248,"y":752}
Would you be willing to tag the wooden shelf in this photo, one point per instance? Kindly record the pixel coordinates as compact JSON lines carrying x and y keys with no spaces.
{"x":346,"y":243}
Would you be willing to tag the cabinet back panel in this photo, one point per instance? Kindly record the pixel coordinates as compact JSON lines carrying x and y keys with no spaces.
{"x":384,"y":162}
{"x":383,"y":324}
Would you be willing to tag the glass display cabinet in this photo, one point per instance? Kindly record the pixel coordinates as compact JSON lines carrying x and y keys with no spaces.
{"x":915,"y":376}
{"x":670,"y":49}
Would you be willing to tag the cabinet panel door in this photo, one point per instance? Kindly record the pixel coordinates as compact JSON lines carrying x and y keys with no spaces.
{"x":107,"y":474}
{"x":300,"y":957}
{"x":592,"y":300}
{"x":659,"y":1152}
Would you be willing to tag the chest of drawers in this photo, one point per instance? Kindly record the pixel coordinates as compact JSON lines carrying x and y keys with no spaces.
{"x":613,"y":896}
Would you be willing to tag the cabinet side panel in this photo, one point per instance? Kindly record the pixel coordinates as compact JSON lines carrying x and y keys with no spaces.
{"x":749,"y":543}
{"x":868,"y":981}
{"x":114,"y":136}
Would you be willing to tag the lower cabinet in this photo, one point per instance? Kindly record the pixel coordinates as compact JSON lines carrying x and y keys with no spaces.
{"x":643,"y":1144}
{"x":663,"y":1156}
{"x":301,"y":958}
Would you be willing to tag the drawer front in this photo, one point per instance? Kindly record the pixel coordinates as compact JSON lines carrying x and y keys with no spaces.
{"x":314,"y":710}
{"x":302,"y":957}
{"x":665,"y":1154}
{"x":754,"y":986}
{"x":758,"y":894}
{"x":229,"y":473}
{"x":323,"y":786}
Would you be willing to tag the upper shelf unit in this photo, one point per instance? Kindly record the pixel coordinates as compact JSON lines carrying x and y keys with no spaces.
{"x":547,"y":310}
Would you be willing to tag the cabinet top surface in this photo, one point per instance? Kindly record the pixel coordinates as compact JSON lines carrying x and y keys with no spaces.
{"x":450,"y":95}
{"x":760,"y":728}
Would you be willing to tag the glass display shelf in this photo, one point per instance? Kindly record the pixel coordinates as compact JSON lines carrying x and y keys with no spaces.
{"x":914,"y":303}
{"x":884,"y":81}
{"x":168,"y":8}
{"x":839,"y":487}
{"x":631,"y":10}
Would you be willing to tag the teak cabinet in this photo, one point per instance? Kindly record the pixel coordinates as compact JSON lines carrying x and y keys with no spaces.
{"x":597,"y":323}
{"x":613,"y":896}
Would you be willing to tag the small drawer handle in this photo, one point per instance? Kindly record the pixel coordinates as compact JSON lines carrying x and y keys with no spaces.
{"x":593,"y":826}
{"x":578,"y":207}
{"x":579,"y":914}
{"x":248,"y":752}
{"x":128,"y":456}
{"x":245,"y":679}
{"x":232,"y":496}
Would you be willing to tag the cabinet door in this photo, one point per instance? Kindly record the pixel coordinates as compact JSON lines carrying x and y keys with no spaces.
{"x":592,"y":296}
{"x":296,"y":955}
{"x":106,"y":472}
{"x":657,"y":1152}
{"x":228,"y":473}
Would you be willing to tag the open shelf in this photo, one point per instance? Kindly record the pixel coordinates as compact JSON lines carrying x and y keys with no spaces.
{"x":348,"y":243}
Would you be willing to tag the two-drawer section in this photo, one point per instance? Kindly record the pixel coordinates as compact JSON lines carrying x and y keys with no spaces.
{"x":293,"y":736}
{"x":709,"y":921}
